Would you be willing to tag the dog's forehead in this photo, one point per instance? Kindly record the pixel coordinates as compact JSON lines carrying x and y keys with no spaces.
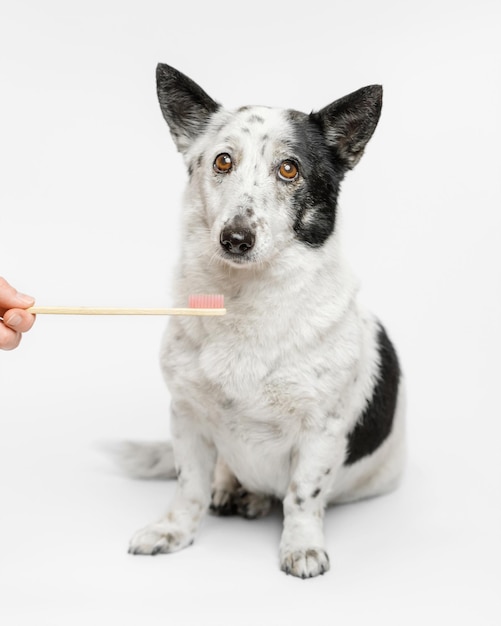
{"x":270,"y":124}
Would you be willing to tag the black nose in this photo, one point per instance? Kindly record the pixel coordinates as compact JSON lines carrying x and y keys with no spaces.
{"x":237,"y":241}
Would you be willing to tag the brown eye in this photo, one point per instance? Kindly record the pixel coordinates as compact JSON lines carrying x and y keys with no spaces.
{"x":223,"y":163}
{"x":288,"y":170}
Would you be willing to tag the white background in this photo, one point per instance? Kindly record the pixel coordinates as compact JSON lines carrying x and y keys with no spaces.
{"x":90,"y":187}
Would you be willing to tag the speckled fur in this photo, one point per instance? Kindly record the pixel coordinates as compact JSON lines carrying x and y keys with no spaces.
{"x":274,"y":390}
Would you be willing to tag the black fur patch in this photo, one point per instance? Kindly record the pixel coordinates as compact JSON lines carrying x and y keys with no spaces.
{"x":376,"y":421}
{"x":315,"y":200}
{"x":327,"y":144}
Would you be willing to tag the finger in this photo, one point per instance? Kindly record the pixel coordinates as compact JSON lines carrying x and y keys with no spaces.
{"x":9,"y":339}
{"x":18,"y":320}
{"x":10,"y":298}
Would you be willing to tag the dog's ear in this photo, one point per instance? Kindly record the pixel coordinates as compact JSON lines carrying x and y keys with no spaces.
{"x":185,"y":106}
{"x":348,"y":123}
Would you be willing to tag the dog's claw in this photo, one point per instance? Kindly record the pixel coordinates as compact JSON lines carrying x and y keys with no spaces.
{"x":305,"y":563}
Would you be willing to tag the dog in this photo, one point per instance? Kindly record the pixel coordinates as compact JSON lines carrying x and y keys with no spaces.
{"x":296,"y":394}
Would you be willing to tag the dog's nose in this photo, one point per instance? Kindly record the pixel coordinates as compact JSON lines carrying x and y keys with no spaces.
{"x":237,"y":241}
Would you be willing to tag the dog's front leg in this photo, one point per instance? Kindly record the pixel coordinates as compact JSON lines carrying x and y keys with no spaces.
{"x":195,"y":458}
{"x":313,"y":467}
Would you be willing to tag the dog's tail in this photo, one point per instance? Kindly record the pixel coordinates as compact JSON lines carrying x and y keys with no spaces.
{"x":152,"y":460}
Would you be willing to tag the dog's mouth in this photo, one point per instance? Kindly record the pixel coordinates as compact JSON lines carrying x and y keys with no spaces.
{"x":237,"y":260}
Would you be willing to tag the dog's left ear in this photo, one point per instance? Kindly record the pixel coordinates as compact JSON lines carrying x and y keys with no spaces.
{"x":348,"y":123}
{"x":185,"y":106}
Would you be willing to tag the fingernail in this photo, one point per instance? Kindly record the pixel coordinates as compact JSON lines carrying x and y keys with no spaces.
{"x":14,"y":320}
{"x":28,"y":300}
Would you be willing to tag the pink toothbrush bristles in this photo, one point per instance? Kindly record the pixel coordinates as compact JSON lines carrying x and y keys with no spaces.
{"x":206,"y":301}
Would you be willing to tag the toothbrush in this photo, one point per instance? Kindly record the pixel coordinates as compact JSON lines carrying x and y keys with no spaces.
{"x":201,"y":305}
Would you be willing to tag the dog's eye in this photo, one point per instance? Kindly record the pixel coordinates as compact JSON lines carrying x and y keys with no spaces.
{"x":288,"y":170}
{"x":223,"y":163}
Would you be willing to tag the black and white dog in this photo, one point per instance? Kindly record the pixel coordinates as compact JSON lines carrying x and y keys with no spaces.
{"x":296,"y":394}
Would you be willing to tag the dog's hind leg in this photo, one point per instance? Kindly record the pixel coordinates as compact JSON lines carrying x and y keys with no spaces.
{"x":230,"y":498}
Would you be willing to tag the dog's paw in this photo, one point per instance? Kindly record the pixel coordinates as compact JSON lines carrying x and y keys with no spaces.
{"x":222,"y":502}
{"x":240,"y":502}
{"x":160,"y":538}
{"x":305,"y":563}
{"x":252,"y":505}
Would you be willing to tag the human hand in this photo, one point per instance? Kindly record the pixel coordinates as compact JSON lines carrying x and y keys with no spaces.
{"x":14,"y":320}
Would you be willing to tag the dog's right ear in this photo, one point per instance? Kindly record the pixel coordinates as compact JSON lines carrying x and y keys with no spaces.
{"x":348,"y":123}
{"x":185,"y":106}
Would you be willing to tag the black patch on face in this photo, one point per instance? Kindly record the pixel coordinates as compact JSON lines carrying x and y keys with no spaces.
{"x":315,"y":493}
{"x":376,"y":421}
{"x":315,"y":199}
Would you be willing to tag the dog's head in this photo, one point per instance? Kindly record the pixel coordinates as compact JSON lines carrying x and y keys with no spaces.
{"x":264,"y":178}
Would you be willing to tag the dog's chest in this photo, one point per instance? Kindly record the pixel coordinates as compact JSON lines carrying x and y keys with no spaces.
{"x":251,"y":390}
{"x":259,"y":380}
{"x":234,"y":371}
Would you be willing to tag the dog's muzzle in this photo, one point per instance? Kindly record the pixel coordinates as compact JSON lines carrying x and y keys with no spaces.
{"x":237,"y":239}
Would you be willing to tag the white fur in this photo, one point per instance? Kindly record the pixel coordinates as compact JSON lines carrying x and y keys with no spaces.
{"x":274,"y":387}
